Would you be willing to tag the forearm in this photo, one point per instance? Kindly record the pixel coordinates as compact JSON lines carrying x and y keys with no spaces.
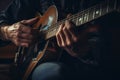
{"x":6,"y":31}
{"x":3,"y":32}
{"x":3,"y":40}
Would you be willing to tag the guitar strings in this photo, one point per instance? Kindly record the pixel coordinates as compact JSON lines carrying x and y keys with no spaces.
{"x":74,"y":18}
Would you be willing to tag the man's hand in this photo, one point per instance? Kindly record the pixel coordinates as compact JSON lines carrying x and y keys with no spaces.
{"x":74,"y":41}
{"x":21,"y":32}
{"x":66,"y":36}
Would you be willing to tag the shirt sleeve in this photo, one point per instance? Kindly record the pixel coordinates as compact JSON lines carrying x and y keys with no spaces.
{"x":23,"y":9}
{"x":19,"y":10}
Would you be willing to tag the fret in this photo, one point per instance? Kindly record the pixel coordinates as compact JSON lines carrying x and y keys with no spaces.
{"x":103,"y":8}
{"x":91,"y":13}
{"x":97,"y":10}
{"x":88,"y":15}
{"x":73,"y":18}
{"x":80,"y":19}
{"x":85,"y":16}
{"x":77,"y":19}
{"x":100,"y":9}
{"x":107,"y":6}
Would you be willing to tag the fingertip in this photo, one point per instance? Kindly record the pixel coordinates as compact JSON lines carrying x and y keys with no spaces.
{"x":59,"y":29}
{"x":24,"y":45}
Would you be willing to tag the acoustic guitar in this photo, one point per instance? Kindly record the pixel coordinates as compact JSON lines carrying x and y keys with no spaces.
{"x":29,"y":58}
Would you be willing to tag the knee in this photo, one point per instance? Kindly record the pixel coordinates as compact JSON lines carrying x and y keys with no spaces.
{"x":47,"y":70}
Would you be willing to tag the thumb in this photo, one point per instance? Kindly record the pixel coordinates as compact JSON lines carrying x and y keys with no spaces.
{"x":30,"y":21}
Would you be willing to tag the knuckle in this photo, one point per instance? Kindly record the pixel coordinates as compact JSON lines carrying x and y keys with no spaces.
{"x":68,"y":26}
{"x":61,"y":31}
{"x":64,"y":29}
{"x":57,"y":34}
{"x":75,"y":39}
{"x":63,"y":45}
{"x":16,"y":43}
{"x":17,"y":25}
{"x":69,"y":43}
{"x":18,"y":34}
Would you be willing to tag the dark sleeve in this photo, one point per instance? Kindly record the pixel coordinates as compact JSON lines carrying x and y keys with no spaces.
{"x":19,"y":10}
{"x":16,"y":11}
{"x":23,"y":9}
{"x":3,"y":43}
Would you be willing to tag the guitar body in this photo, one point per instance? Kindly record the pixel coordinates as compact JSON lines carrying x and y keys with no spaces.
{"x":41,"y":51}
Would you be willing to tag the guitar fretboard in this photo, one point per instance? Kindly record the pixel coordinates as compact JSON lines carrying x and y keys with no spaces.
{"x":86,"y":16}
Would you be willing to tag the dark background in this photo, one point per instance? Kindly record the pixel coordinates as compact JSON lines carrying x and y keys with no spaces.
{"x":4,"y":4}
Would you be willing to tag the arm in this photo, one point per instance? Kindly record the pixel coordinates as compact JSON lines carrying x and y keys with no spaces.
{"x":10,"y":17}
{"x":15,"y":21}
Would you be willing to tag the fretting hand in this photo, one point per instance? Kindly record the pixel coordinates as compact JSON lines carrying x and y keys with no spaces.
{"x":73,"y":40}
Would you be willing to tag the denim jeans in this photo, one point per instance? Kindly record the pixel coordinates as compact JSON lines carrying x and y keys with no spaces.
{"x":50,"y":71}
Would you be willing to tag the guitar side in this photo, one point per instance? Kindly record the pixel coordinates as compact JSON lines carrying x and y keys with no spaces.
{"x":50,"y":17}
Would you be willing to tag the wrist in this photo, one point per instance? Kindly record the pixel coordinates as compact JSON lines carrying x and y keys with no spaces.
{"x":3,"y":32}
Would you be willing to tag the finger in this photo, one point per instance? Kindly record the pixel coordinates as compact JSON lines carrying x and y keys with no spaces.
{"x":71,"y":31}
{"x":69,"y":25}
{"x":60,"y":28}
{"x":18,"y":43}
{"x":24,"y":36}
{"x":25,"y":41}
{"x":61,"y":36}
{"x":68,"y":37}
{"x":59,"y":42}
{"x":22,"y":42}
{"x":30,"y":21}
{"x":25,"y":29}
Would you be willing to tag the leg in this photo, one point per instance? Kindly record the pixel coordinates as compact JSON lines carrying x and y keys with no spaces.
{"x":49,"y":71}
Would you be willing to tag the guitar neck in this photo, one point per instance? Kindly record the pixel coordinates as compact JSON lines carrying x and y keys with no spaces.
{"x":86,"y":16}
